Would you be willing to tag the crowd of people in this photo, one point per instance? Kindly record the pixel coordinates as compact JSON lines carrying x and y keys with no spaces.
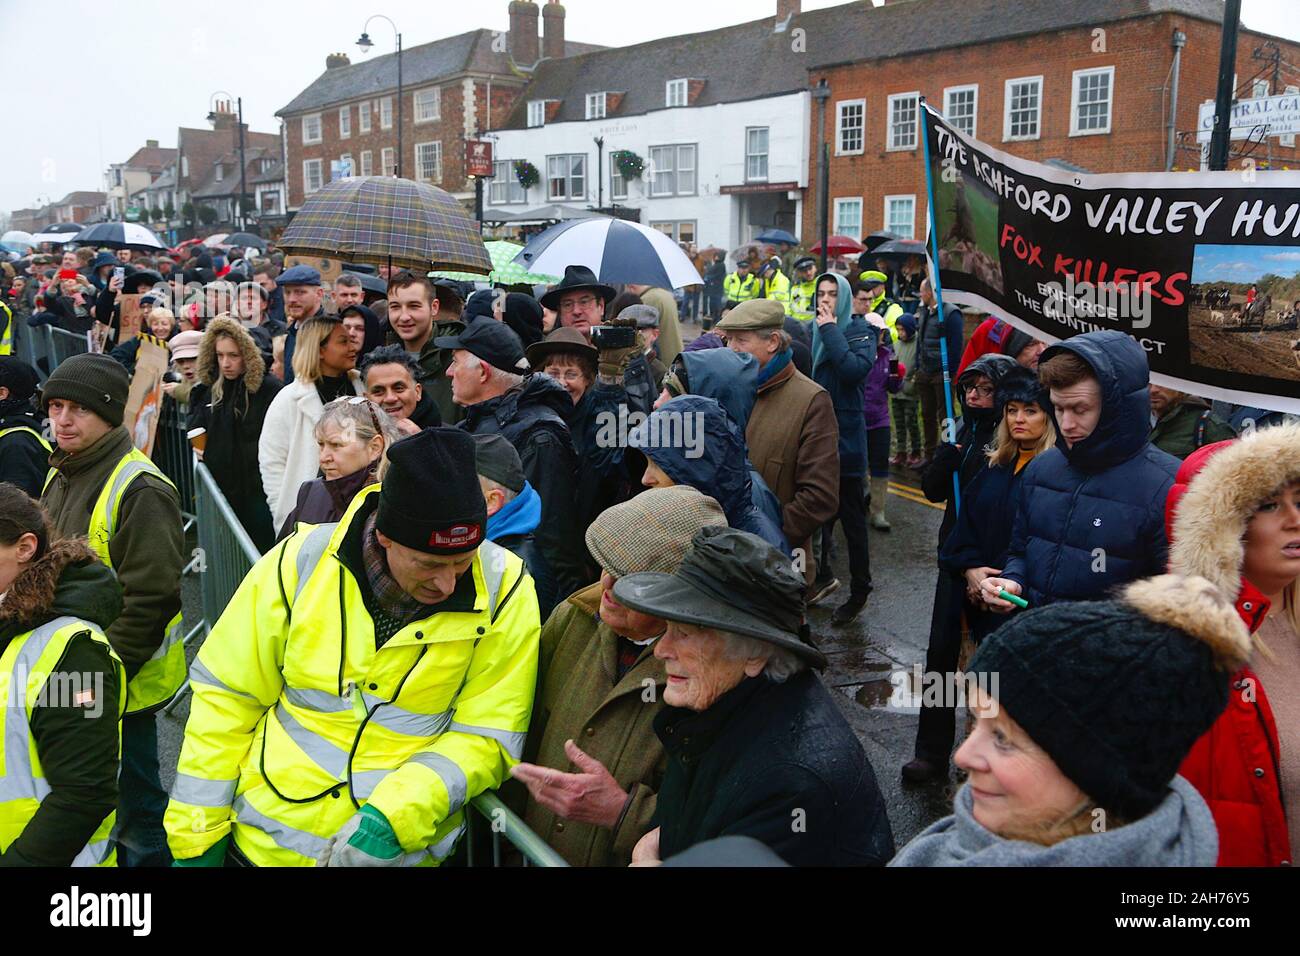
{"x":539,"y":540}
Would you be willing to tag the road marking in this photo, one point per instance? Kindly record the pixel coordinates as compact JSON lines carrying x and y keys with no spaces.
{"x":912,"y":494}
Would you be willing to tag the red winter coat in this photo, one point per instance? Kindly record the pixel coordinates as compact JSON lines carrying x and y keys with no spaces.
{"x":1235,"y":764}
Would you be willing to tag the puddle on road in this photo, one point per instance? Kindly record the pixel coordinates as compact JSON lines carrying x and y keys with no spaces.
{"x":874,"y":694}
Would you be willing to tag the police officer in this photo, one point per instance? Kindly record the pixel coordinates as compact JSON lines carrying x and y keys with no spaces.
{"x":740,"y":285}
{"x":367,"y":680}
{"x":803,"y":289}
{"x":873,"y":283}
{"x":775,"y":284}
{"x":100,"y":486}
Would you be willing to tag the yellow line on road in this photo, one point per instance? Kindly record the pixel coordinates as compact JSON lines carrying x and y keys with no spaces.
{"x":904,"y":491}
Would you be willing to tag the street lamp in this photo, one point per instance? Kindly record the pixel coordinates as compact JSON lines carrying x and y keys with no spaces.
{"x":821,"y":93}
{"x":212,"y":118}
{"x":365,"y":44}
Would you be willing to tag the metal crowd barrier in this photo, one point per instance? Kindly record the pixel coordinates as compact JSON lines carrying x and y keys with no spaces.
{"x":65,"y":344}
{"x":174,"y":457}
{"x":33,"y":347}
{"x":228,"y":553}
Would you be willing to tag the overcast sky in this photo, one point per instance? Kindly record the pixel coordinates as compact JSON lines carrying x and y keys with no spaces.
{"x":89,"y":87}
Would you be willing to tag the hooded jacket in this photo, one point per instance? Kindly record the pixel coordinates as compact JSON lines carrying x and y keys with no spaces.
{"x":1235,"y":765}
{"x":1093,"y":516}
{"x":78,"y":747}
{"x":966,"y":455}
{"x":234,"y":426}
{"x":532,"y":418}
{"x":1178,"y":832}
{"x":712,"y":461}
{"x":729,"y":378}
{"x":512,"y":527}
{"x":843,"y":355}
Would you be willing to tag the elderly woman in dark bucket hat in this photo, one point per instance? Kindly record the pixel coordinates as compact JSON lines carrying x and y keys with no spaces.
{"x":756,"y":746}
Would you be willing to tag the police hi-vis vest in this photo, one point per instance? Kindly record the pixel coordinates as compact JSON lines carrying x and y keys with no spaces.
{"x":25,"y":667}
{"x":737,"y":289}
{"x":889,"y":310}
{"x":6,"y":330}
{"x":801,"y":299}
{"x":162,"y":675}
{"x":298,"y":719}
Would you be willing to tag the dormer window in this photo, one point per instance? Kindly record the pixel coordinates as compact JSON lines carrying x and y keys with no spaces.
{"x":595,"y":106}
{"x":536,"y":112}
{"x":675,"y":93}
{"x":221,"y":172}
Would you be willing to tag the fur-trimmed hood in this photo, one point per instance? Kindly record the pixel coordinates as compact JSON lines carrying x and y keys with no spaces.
{"x":1212,"y":500}
{"x":254,"y":365}
{"x":68,"y":579}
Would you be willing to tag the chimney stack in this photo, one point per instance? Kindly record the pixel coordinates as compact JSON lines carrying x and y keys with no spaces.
{"x":553,"y":30}
{"x":523,"y":32}
{"x":336,"y":60}
{"x":151,"y":143}
{"x":222,"y":116}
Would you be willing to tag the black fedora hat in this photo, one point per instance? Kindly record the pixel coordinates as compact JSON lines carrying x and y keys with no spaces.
{"x":733,"y":581}
{"x":575,"y":279}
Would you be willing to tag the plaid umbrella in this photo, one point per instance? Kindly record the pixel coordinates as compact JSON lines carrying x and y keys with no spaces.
{"x":382,"y":220}
{"x":504,"y":269}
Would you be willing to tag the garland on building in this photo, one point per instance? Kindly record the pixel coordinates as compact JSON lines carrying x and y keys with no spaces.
{"x":526,"y":173}
{"x":630,"y":165}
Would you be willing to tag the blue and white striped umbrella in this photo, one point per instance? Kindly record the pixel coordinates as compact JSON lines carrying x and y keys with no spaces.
{"x":119,"y":235}
{"x":617,"y":251}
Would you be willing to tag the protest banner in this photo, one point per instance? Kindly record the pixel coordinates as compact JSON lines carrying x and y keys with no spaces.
{"x":144,"y":401}
{"x":1201,"y":269}
{"x":130,"y":316}
{"x":329,"y":269}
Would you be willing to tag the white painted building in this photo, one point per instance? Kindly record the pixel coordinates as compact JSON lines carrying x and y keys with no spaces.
{"x":715,"y":174}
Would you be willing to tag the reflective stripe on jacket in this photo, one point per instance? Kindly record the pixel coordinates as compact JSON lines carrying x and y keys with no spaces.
{"x":298,"y":720}
{"x":6,"y":330}
{"x":31,"y":431}
{"x":162,"y":675}
{"x":737,"y":289}
{"x":27,"y":663}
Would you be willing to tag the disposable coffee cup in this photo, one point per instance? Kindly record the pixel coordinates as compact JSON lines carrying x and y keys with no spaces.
{"x":198,"y":438}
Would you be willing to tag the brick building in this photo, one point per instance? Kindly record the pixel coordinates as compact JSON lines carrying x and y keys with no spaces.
{"x":1085,"y":86}
{"x":451,"y":89}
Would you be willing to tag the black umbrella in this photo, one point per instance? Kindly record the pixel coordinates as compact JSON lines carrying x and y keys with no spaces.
{"x":244,"y":239}
{"x":120,"y":235}
{"x":900,"y":248}
{"x":58,"y":233}
{"x":877,"y":238}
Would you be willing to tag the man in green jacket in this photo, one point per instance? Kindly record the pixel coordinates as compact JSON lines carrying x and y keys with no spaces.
{"x":413,"y":318}
{"x":139,"y":536}
{"x":594,"y":760}
{"x":1183,"y":423}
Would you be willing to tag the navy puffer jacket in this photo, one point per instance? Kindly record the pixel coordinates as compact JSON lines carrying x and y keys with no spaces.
{"x":711,"y":458}
{"x":1092,"y":517}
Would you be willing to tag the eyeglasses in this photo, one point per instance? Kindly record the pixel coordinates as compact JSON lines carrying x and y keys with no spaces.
{"x":586,"y":302}
{"x":983,"y":391}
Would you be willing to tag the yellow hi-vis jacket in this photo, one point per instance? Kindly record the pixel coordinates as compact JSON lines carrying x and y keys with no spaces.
{"x":889,"y":310}
{"x":801,"y":299}
{"x":163,"y":674}
{"x":25,"y":668}
{"x":6,"y":330}
{"x":737,"y":289}
{"x":297,"y":720}
{"x":777,"y":288}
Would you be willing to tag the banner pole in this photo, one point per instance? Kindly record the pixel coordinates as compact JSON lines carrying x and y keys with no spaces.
{"x":933,"y":229}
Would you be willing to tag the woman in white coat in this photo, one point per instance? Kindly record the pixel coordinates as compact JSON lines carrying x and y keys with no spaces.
{"x":287,"y":453}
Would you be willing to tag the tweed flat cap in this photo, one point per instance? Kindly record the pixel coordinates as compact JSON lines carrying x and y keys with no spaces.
{"x":652,"y":531}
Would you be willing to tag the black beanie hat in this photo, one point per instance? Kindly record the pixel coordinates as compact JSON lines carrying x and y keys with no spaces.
{"x":430,"y":499}
{"x":96,"y":382}
{"x":1117,"y":692}
{"x":19,"y":377}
